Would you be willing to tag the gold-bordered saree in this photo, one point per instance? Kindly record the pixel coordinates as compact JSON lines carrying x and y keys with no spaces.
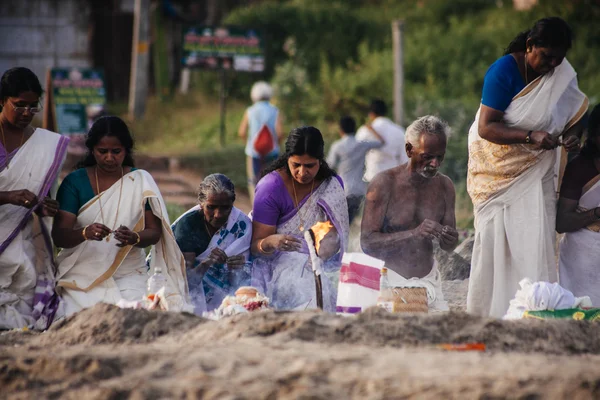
{"x":513,"y":191}
{"x":99,"y":271}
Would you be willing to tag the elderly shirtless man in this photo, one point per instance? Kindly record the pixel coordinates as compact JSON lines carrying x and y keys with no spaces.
{"x":409,"y":206}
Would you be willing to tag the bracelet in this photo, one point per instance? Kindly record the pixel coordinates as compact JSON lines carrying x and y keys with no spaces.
{"x":594,"y":212}
{"x":138,"y":239}
{"x":260,"y":248}
{"x":83,"y":233}
{"x":528,"y":137}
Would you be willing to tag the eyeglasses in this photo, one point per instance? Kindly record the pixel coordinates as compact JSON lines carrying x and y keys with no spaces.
{"x":21,"y":110}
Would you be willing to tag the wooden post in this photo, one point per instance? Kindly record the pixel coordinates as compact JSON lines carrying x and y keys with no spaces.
{"x":222,"y":106}
{"x":49,"y":115}
{"x":140,"y":59}
{"x":398,"y":44}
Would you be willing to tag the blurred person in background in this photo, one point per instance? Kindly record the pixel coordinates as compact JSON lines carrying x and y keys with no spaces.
{"x":215,"y":238}
{"x":392,"y":153}
{"x":578,"y":217}
{"x":109,"y":212}
{"x":30,"y":160}
{"x":261,"y":128}
{"x":347,"y":157}
{"x":298,"y":190}
{"x":530,"y":105}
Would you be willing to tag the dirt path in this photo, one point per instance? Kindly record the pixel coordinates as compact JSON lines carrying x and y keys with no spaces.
{"x":178,"y":185}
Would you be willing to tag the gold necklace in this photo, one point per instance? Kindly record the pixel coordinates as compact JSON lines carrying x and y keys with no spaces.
{"x":4,"y":141}
{"x":100,"y":200}
{"x":301,"y":227}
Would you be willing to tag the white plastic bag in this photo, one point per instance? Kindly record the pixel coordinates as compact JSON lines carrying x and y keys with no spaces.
{"x":358,"y":286}
{"x":538,"y":296}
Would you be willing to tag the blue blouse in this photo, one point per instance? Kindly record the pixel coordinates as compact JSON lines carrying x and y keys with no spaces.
{"x":501,"y":83}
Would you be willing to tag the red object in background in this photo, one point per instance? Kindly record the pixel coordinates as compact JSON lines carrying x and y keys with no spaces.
{"x":263,"y":144}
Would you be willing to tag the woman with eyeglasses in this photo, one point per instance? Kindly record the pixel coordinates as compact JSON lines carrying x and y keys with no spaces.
{"x":30,"y":160}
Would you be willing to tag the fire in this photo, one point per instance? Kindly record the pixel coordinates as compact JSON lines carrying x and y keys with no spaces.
{"x":319,"y":230}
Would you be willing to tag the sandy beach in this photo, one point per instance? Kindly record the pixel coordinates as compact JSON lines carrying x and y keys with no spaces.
{"x":108,"y":353}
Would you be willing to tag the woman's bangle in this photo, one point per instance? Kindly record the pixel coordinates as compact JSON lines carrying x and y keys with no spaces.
{"x":260,"y":248}
{"x":595,"y":214}
{"x":83,"y":233}
{"x":138,"y":239}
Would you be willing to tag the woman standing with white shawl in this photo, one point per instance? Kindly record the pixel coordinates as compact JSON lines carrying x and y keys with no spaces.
{"x":30,"y":160}
{"x":530,"y":99}
{"x":109,"y":212}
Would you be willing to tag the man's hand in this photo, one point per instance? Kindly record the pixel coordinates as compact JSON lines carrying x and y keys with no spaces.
{"x":429,"y":229}
{"x":448,"y":237}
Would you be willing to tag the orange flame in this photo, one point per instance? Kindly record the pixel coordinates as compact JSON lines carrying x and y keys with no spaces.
{"x":320,"y":229}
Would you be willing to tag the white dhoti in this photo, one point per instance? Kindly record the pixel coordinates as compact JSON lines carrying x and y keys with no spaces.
{"x":432,"y":282}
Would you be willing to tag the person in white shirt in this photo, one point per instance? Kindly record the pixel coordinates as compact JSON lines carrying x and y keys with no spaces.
{"x":347,"y":157}
{"x":393,"y":152}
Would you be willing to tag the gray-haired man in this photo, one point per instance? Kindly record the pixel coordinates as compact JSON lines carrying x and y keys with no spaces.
{"x":409,"y":206}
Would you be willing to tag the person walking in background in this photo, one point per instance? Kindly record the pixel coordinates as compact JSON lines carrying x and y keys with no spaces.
{"x":30,"y":161}
{"x":392,"y":153}
{"x":347,"y":157}
{"x":578,"y":217}
{"x":530,"y":99}
{"x":262,"y":130}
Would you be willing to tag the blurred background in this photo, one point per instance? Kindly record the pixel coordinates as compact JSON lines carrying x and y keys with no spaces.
{"x":325,"y":59}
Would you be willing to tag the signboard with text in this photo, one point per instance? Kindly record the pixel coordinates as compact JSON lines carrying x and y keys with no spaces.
{"x":77,"y":94}
{"x":227,"y":48}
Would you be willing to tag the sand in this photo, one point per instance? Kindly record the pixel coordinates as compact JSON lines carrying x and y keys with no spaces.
{"x":107,"y":353}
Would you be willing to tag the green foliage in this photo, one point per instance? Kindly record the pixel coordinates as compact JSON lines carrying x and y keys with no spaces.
{"x":230,"y":161}
{"x":174,"y":211}
{"x":320,"y":29}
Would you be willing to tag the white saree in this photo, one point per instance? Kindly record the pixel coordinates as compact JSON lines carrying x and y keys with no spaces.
{"x":99,"y":271}
{"x":513,"y":192}
{"x":580,"y":251}
{"x":25,"y":246}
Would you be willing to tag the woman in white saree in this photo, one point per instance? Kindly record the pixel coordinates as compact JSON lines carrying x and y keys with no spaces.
{"x":578,"y":216}
{"x":30,"y":160}
{"x":530,"y":103}
{"x":297,"y":191}
{"x":109,"y":212}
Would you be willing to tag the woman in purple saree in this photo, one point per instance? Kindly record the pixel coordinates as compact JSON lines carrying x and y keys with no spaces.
{"x":30,"y":160}
{"x":297,"y":191}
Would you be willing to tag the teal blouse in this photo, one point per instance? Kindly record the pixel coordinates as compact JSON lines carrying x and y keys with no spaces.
{"x":76,"y":190}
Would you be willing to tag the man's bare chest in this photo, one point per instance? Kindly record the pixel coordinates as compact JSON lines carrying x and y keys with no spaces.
{"x":408,"y":207}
